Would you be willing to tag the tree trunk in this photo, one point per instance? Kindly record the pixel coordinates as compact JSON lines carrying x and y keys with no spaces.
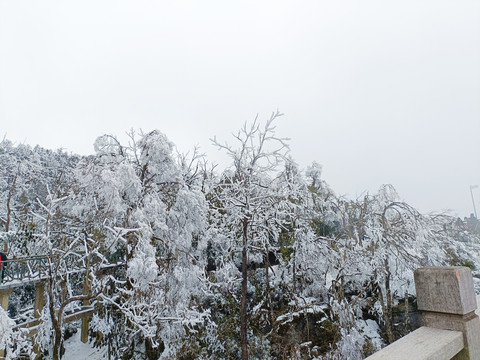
{"x":388,"y":315}
{"x":243,"y":301}
{"x":268,"y":295}
{"x":294,"y":271}
{"x":386,"y":305}
{"x":57,"y":344}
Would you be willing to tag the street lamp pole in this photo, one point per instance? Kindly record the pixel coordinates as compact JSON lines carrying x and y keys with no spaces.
{"x":473,"y":201}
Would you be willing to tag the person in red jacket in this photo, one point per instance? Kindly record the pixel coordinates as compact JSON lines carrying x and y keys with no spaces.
{"x":3,"y":264}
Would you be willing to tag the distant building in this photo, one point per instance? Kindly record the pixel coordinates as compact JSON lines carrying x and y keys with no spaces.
{"x":472,"y":224}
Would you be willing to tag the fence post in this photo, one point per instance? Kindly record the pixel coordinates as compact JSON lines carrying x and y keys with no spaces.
{"x":87,"y":288}
{"x":39,"y":299}
{"x":446,"y":297}
{"x":4,"y":296}
{"x":37,"y":311}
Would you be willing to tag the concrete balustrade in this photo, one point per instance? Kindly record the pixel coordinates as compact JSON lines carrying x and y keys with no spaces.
{"x":423,"y":344}
{"x":451,"y":330}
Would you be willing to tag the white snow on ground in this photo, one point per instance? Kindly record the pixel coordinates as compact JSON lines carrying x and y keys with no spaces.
{"x":76,"y":350}
{"x":370,"y":329}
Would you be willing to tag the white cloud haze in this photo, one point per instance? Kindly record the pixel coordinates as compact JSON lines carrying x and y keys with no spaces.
{"x":377,"y":92}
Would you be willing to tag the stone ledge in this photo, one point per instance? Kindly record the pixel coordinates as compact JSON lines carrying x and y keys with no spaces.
{"x":423,"y":344}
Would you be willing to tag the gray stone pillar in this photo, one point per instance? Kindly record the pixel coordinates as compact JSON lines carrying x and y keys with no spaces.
{"x":447,"y":300}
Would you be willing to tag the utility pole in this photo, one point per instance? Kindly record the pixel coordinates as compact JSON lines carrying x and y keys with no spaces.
{"x":473,"y":201}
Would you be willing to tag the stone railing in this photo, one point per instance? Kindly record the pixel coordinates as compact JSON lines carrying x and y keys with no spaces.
{"x":451,"y":330}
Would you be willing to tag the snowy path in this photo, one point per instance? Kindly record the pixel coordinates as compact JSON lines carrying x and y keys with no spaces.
{"x":76,"y":350}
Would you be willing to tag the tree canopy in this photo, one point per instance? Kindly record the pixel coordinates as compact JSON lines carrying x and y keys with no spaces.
{"x":259,"y":260}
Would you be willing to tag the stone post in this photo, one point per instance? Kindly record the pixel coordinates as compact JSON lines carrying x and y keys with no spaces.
{"x":87,"y":288}
{"x":4,"y":296}
{"x":39,"y":299}
{"x":37,"y":311}
{"x":447,"y":300}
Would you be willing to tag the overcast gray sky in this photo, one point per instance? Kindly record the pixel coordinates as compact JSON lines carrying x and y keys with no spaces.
{"x":375,"y":91}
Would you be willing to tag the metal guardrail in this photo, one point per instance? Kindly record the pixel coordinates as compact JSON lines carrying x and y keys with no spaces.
{"x":37,"y":267}
{"x":34,"y":268}
{"x":30,"y":268}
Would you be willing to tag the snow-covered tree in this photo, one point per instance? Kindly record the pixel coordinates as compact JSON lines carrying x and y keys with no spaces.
{"x":261,"y":260}
{"x":247,"y":212}
{"x":156,"y":218}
